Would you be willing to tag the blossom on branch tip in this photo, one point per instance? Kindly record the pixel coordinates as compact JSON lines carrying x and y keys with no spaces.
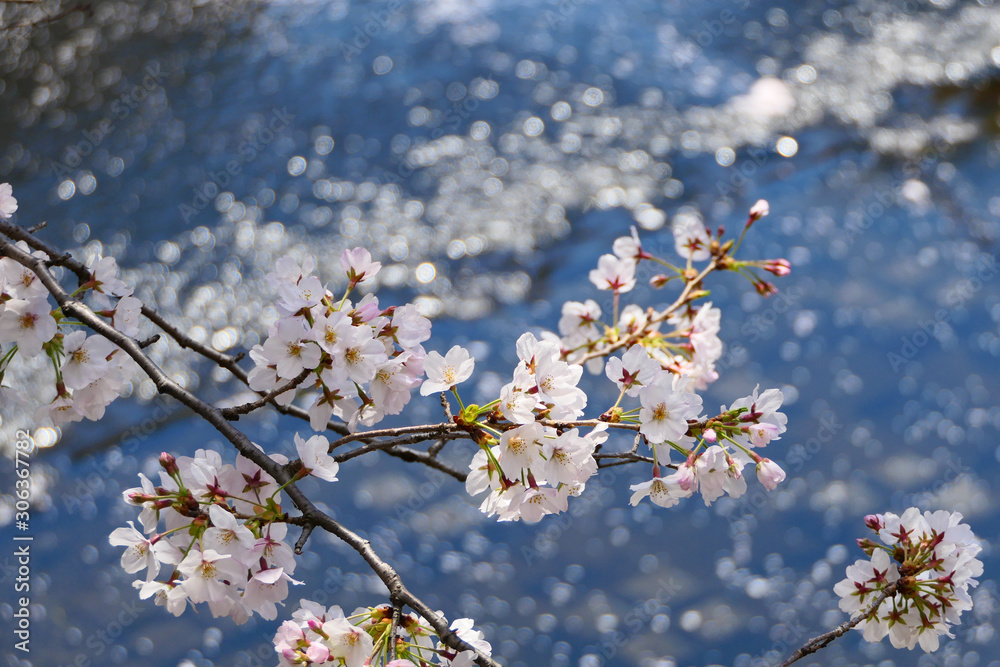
{"x":291,"y":349}
{"x":633,"y":370}
{"x":8,"y":204}
{"x":691,"y":239}
{"x":925,"y":571}
{"x":759,"y":210}
{"x":315,"y":458}
{"x":143,"y":553}
{"x":445,"y":372}
{"x":665,"y":492}
{"x":629,"y":247}
{"x":770,"y":474}
{"x":665,"y":411}
{"x":86,"y":359}
{"x":29,"y":323}
{"x":358,"y":265}
{"x":612,"y":273}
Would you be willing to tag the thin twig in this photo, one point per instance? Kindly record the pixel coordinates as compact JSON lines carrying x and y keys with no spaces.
{"x":307,"y":530}
{"x":47,"y":19}
{"x":149,"y":341}
{"x":416,"y":456}
{"x":234,"y":413}
{"x":820,"y":642}
{"x":628,"y":341}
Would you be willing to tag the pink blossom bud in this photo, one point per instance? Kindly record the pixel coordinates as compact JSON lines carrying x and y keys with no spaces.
{"x":366,"y":312}
{"x":659,"y":280}
{"x":765,"y":288}
{"x":685,"y":476}
{"x":759,"y":210}
{"x":779,"y":267}
{"x":318,"y":652}
{"x":770,"y":474}
{"x":874,"y":521}
{"x":169,"y":463}
{"x":710,"y":435}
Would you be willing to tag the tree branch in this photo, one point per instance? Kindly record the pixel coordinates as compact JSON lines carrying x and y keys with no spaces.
{"x":165,"y":385}
{"x":823,"y":640}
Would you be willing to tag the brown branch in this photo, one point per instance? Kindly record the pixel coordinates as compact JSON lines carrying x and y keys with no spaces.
{"x":301,"y":542}
{"x":234,"y":413}
{"x":431,"y":429}
{"x":47,"y":19}
{"x":312,"y":515}
{"x":587,"y":422}
{"x":416,"y":456}
{"x":823,"y":640}
{"x":149,"y":341}
{"x":621,"y":458}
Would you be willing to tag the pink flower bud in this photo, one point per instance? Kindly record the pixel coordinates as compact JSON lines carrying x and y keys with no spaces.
{"x":759,"y":210}
{"x":779,"y":267}
{"x":770,"y":474}
{"x":169,"y":463}
{"x":874,"y":521}
{"x":765,"y":288}
{"x":685,"y":476}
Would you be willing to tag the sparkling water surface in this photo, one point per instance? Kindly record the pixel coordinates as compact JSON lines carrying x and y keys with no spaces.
{"x":487,"y":153}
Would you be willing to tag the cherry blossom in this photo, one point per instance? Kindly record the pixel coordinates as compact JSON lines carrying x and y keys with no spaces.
{"x":358,"y":265}
{"x":86,"y":359}
{"x":614,"y":274}
{"x":445,"y":372}
{"x":924,"y":568}
{"x":665,"y":412}
{"x":691,"y":239}
{"x":8,"y":204}
{"x":29,"y":323}
{"x":315,"y":459}
{"x":633,"y":370}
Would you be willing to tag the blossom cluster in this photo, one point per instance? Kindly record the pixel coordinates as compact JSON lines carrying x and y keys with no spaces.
{"x":927,"y":563}
{"x":713,"y":470}
{"x":532,"y":468}
{"x":321,"y":636}
{"x":365,"y":360}
{"x":223,"y":540}
{"x":89,"y":370}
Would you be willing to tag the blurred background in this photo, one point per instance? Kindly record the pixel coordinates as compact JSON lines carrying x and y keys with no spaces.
{"x":487,"y":153}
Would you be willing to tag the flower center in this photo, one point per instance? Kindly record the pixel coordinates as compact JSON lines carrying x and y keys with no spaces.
{"x":27,"y":321}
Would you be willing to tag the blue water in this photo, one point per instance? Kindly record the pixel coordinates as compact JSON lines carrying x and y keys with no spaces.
{"x":881,"y":415}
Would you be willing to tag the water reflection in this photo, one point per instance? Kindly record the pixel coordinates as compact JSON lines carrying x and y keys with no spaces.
{"x":487,"y":154}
